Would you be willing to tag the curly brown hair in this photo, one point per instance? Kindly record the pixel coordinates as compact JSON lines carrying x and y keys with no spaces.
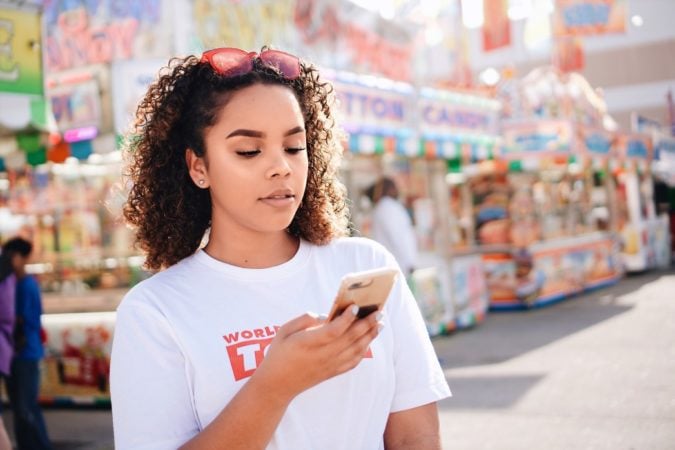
{"x":170,"y":214}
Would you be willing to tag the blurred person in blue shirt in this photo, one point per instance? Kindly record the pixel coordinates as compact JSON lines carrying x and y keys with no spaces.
{"x":24,"y":381}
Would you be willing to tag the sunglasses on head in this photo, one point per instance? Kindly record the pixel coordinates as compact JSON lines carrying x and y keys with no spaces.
{"x":232,"y":62}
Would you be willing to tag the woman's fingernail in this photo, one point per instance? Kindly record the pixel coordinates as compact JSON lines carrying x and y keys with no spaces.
{"x":323,"y":316}
{"x":380,"y":325}
{"x":313,"y":315}
{"x":379,"y":315}
{"x":354,"y":309}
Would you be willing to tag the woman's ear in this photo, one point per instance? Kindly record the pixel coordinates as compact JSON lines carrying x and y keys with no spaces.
{"x":197,"y":168}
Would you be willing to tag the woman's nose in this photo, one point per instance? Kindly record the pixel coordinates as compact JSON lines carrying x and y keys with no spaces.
{"x":279,"y":167}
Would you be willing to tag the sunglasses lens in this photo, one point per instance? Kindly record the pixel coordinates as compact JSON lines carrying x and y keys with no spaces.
{"x":231,"y":62}
{"x":288,"y":65}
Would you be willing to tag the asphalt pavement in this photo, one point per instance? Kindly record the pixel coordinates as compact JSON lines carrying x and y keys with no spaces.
{"x":596,"y":371}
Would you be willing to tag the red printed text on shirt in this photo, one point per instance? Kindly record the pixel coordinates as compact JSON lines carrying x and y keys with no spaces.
{"x":247,"y":348}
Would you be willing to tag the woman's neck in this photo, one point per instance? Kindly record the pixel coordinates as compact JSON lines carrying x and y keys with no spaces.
{"x":259,"y":252}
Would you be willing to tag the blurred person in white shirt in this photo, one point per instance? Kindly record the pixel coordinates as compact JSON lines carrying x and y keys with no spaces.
{"x":392,"y":225}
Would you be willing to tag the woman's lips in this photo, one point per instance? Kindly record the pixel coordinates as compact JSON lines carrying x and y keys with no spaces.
{"x":279,"y":201}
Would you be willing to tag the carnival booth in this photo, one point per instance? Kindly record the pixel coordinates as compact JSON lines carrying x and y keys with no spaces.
{"x":458,"y":130}
{"x":52,"y":204}
{"x":546,"y":216}
{"x":645,"y":234}
{"x":68,"y":202}
{"x":379,"y":117}
{"x":384,"y":120}
{"x":60,"y":187}
{"x":84,"y":260}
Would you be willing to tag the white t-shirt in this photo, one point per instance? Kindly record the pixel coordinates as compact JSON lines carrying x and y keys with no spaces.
{"x":393,"y":228}
{"x":187,"y":339}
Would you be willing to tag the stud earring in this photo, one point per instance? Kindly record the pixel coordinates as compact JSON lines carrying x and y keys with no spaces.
{"x":201,"y":182}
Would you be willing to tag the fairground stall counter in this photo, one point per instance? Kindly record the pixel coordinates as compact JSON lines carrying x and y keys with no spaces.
{"x":645,"y":234}
{"x":381,"y":118}
{"x":458,"y":131}
{"x":84,"y":262}
{"x":72,"y":208}
{"x":51,"y":195}
{"x":545,"y":212}
{"x":61,"y":188}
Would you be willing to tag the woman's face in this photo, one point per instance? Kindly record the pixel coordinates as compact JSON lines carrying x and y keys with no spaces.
{"x":257,"y":160}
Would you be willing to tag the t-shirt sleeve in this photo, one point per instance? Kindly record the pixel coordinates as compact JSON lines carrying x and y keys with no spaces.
{"x":419,"y":377}
{"x":151,"y":403}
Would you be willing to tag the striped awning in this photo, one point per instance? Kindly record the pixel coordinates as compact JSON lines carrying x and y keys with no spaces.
{"x":469,"y":148}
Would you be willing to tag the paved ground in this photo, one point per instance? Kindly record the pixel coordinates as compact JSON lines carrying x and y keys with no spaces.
{"x":593,"y":372}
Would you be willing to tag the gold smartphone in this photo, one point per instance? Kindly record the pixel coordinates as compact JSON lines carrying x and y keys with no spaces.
{"x":368,"y":290}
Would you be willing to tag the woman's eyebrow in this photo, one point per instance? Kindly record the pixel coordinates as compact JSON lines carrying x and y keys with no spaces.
{"x":247,"y":133}
{"x":294,"y":131}
{"x":260,"y":134}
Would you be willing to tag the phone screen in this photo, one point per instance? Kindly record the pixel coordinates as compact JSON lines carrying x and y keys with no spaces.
{"x":364,"y":311}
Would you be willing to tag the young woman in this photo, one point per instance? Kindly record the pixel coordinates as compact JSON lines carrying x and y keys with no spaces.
{"x":225,"y":348}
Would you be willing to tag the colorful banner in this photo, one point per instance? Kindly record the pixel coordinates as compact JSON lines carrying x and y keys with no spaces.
{"x":81,"y":33}
{"x":130,"y":81}
{"x":76,"y":366}
{"x":635,"y":146}
{"x":540,"y":138}
{"x":496,"y":25}
{"x":470,"y":294}
{"x":436,"y":311}
{"x":568,"y":55}
{"x":443,"y":114}
{"x":589,"y":17}
{"x":596,"y":142}
{"x":76,"y":105}
{"x":341,"y":35}
{"x":377,"y":113}
{"x":545,"y":273}
{"x":20,"y":55}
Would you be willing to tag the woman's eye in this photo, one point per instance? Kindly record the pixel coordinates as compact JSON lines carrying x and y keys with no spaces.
{"x":248,"y":153}
{"x":294,"y":150}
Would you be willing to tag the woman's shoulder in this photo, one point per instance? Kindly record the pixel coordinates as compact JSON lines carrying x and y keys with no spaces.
{"x":8,"y":282}
{"x":150,"y":291}
{"x":27,"y":282}
{"x":359,"y":249}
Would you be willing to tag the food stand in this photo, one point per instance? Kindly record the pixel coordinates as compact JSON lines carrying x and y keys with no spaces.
{"x":547,"y":220}
{"x":459,"y":129}
{"x":379,"y":117}
{"x":84,"y":261}
{"x":70,"y":208}
{"x":408,"y":135}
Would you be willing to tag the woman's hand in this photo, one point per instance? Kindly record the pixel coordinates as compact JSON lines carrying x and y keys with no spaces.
{"x":308,"y":350}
